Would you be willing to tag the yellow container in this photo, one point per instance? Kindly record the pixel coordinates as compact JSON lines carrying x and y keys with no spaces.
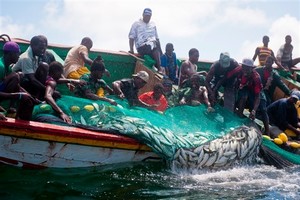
{"x":295,"y":145}
{"x":278,"y":141}
{"x":283,"y":137}
{"x":89,"y":108}
{"x":290,"y":133}
{"x":75,"y":109}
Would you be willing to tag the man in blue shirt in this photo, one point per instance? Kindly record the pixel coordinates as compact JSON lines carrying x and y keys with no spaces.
{"x":169,"y":63}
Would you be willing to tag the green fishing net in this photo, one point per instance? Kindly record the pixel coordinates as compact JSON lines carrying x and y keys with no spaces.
{"x":179,"y":127}
{"x":294,"y":158}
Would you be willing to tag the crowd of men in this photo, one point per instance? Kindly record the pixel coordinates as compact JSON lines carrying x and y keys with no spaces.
{"x":32,"y":77}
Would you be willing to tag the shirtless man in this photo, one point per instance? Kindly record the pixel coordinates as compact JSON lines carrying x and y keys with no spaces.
{"x":198,"y":93}
{"x":189,"y":67}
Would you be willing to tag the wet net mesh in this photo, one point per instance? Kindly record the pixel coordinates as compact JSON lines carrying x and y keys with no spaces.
{"x":179,"y":127}
{"x":294,"y":158}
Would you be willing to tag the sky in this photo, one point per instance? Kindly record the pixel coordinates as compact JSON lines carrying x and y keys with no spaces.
{"x":211,"y":26}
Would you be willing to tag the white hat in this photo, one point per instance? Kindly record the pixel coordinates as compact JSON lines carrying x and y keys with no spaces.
{"x":248,"y":62}
{"x":295,"y":96}
{"x":224,"y":59}
{"x":142,"y":75}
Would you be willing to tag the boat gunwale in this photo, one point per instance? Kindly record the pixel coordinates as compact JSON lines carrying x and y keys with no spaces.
{"x":56,"y":133}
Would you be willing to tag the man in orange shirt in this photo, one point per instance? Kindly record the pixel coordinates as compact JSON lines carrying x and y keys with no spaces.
{"x":155,"y":98}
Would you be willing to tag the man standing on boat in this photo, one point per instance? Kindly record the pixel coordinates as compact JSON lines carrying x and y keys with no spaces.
{"x":217,"y":77}
{"x":144,"y":35}
{"x":263,"y":52}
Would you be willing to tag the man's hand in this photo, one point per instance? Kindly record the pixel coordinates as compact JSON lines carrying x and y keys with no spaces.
{"x":56,"y":95}
{"x":2,"y":117}
{"x":65,"y":117}
{"x":113,"y":102}
{"x":252,"y":115}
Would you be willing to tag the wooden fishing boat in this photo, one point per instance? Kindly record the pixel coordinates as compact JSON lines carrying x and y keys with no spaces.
{"x":38,"y":145}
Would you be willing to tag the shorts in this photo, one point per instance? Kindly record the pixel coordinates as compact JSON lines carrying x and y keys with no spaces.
{"x":78,"y":73}
{"x":288,"y":64}
{"x":2,"y":87}
{"x":145,"y":50}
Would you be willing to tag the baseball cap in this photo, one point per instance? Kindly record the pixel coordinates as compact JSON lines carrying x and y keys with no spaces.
{"x":142,"y":75}
{"x":224,"y":59}
{"x":11,"y":47}
{"x":296,"y":92}
{"x":248,"y":62}
{"x":295,"y":96}
{"x":147,"y":11}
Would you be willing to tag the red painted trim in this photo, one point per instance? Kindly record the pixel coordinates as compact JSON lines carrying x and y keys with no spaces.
{"x":25,"y":165}
{"x":65,"y":131}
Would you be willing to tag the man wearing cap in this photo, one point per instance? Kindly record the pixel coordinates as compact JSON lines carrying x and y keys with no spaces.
{"x":11,"y":52}
{"x":217,"y":77}
{"x":250,"y":92}
{"x":144,"y":35}
{"x":129,"y":88}
{"x":9,"y":83}
{"x":283,"y":114}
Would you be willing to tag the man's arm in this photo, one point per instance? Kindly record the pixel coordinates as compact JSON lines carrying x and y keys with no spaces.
{"x":131,"y":43}
{"x":49,"y":99}
{"x":116,"y":86}
{"x":255,"y":54}
{"x":277,"y":62}
{"x":86,"y":58}
{"x":88,"y":94}
{"x":159,"y":46}
{"x":35,"y":82}
{"x":281,"y":85}
{"x":256,"y":104}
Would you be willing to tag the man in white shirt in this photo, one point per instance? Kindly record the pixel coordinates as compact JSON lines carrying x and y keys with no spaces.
{"x":284,"y":54}
{"x":35,"y":73}
{"x":143,"y":35}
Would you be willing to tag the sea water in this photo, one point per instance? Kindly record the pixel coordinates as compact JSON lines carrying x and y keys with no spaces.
{"x":149,"y":181}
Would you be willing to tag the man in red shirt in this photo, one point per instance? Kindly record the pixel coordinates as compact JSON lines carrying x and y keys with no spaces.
{"x":155,"y":98}
{"x":250,"y":91}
